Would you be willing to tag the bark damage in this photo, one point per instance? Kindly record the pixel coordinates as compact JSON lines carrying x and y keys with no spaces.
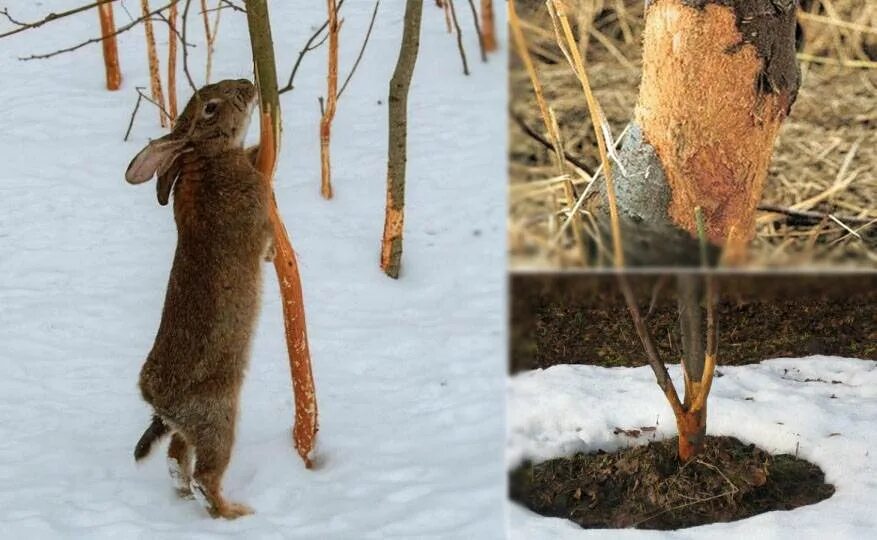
{"x":719,"y":77}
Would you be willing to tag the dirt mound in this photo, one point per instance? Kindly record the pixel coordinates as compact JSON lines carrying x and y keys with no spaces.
{"x":645,"y":487}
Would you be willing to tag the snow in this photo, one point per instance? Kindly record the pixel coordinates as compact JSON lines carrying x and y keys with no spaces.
{"x":409,"y":373}
{"x":830,"y":420}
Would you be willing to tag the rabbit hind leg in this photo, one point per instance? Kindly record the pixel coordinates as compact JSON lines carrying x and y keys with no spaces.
{"x":179,"y":463}
{"x":213,"y":444}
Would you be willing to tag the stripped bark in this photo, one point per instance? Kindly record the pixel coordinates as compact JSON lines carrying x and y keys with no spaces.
{"x":391,"y":244}
{"x":719,"y":78}
{"x":154,"y":74}
{"x":306,"y":425}
{"x":172,"y":63}
{"x":488,"y":26}
{"x":331,"y":102}
{"x":111,"y":51}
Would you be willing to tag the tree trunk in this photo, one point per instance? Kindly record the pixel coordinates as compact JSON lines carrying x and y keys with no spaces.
{"x":111,"y":51}
{"x":391,"y":245}
{"x":719,"y":77}
{"x":692,"y":431}
{"x":305,"y":428}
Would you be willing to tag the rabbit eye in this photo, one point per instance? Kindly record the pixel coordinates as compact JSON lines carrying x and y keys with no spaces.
{"x":210,"y":108}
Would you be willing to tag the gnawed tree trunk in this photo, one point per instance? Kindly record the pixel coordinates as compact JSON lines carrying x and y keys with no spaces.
{"x":305,"y":428}
{"x":719,"y":77}
{"x":394,"y":219}
{"x":111,"y":51}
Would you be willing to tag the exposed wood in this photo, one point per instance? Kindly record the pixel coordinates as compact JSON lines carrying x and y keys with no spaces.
{"x":394,"y":219}
{"x":488,"y":26}
{"x":719,"y":78}
{"x":154,"y":73}
{"x":111,"y":51}
{"x":331,"y":102}
{"x":306,"y":423}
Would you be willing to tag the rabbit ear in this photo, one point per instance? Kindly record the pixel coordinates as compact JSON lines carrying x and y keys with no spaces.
{"x":168,"y":171}
{"x":158,"y":156}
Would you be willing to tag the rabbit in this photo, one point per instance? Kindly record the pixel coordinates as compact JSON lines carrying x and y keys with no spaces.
{"x":192,"y":376}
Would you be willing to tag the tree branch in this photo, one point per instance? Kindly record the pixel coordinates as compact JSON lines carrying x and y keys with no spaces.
{"x":118,"y":31}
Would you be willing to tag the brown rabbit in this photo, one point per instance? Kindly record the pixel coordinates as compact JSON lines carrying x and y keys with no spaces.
{"x":193,"y":374}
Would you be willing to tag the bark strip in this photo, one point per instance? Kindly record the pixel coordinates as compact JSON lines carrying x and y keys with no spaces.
{"x":391,"y":243}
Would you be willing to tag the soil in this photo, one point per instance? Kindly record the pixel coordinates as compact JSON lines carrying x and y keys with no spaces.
{"x":582,"y":319}
{"x":645,"y":486}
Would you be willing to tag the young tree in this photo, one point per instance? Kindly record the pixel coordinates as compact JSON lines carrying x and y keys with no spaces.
{"x":111,"y":51}
{"x":305,"y":428}
{"x":391,"y":244}
{"x":698,"y":355}
{"x":719,"y":77}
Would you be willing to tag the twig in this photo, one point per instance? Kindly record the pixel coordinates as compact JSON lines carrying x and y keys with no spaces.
{"x":22,"y":26}
{"x":141,"y":96}
{"x":118,"y":31}
{"x":133,"y":114}
{"x":481,"y":46}
{"x":361,"y":49}
{"x":655,"y":362}
{"x":185,"y":23}
{"x":810,"y":215}
{"x":309,"y":46}
{"x":459,"y":36}
{"x":519,"y":120}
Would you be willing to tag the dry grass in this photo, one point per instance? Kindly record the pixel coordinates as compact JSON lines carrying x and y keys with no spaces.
{"x":825,"y":161}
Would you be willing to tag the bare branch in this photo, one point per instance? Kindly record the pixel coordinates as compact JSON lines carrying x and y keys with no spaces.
{"x":118,"y":31}
{"x":368,"y":33}
{"x":478,"y":31}
{"x":655,"y":362}
{"x":309,"y":46}
{"x":22,"y":26}
{"x":459,"y":37}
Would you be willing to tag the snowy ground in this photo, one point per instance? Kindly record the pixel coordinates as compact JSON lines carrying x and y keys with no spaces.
{"x":408,"y":372}
{"x":830,"y":421}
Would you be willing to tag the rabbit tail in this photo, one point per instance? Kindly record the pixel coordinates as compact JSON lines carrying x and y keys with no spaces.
{"x":156,"y":430}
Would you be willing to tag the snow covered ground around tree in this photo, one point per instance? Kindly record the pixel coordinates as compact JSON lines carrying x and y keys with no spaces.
{"x":409,"y":373}
{"x":824,"y":409}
